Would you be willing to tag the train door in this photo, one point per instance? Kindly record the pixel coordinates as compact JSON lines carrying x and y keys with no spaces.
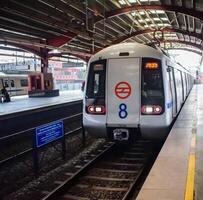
{"x":178,"y":88}
{"x":183,"y":86}
{"x":186,"y":84}
{"x":123,"y":92}
{"x":173,"y":90}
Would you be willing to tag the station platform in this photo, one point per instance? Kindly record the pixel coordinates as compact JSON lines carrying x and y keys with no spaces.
{"x":24,"y":103}
{"x":177,"y":173}
{"x":23,"y":113}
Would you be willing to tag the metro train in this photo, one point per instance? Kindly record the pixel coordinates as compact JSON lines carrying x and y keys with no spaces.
{"x":133,"y":90}
{"x":15,"y":84}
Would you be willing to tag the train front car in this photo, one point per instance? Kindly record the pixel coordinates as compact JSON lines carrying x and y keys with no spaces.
{"x":124,"y":94}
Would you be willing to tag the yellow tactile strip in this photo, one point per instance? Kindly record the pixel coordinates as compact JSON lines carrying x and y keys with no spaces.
{"x":189,"y":190}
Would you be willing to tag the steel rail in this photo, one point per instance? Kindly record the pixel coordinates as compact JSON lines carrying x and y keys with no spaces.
{"x":63,"y":189}
{"x":133,"y":185}
{"x":60,"y":189}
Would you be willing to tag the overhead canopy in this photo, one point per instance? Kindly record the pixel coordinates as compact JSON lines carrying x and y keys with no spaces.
{"x":83,"y":27}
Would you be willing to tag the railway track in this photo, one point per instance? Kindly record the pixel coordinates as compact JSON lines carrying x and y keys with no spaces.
{"x":113,"y":172}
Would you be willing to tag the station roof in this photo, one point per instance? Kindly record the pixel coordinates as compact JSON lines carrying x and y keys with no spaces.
{"x":83,"y":27}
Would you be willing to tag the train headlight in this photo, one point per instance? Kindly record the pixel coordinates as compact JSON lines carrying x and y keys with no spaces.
{"x":157,"y":109}
{"x":151,"y":109}
{"x":91,"y":109}
{"x":96,"y":109}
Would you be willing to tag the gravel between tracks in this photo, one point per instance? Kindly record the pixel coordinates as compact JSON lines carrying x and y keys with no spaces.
{"x":33,"y":189}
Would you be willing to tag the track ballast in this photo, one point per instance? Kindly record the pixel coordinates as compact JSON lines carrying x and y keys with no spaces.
{"x":114,"y":173}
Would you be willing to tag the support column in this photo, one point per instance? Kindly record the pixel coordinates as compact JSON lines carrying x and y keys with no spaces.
{"x":44,"y":60}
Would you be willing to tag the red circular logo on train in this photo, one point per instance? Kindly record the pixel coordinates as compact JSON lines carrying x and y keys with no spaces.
{"x":123,"y":90}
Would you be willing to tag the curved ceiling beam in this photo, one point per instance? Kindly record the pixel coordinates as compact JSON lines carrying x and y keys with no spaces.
{"x":175,"y":30}
{"x":33,"y":50}
{"x":181,"y":42}
{"x":29,"y":45}
{"x":172,"y":30}
{"x":178,"y":9}
{"x":61,"y":40}
{"x":186,"y":49}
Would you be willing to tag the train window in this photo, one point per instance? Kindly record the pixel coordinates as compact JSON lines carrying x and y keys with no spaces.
{"x":152,"y":84}
{"x":24,"y":82}
{"x":6,"y":83}
{"x":96,"y":79}
{"x":12,"y":83}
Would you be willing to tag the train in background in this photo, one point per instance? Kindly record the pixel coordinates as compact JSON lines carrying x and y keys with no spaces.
{"x":18,"y":84}
{"x":133,"y":89}
{"x":15,"y":84}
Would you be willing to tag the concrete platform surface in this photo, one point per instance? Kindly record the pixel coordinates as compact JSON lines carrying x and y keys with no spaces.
{"x":24,"y":103}
{"x":172,"y":175}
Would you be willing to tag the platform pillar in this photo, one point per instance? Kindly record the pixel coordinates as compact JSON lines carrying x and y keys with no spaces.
{"x":44,"y":61}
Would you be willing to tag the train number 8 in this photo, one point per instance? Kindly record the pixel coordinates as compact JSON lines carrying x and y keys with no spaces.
{"x":123,"y":111}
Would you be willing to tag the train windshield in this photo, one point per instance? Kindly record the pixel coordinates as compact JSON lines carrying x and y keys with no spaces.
{"x":96,"y":80}
{"x":152,"y":83}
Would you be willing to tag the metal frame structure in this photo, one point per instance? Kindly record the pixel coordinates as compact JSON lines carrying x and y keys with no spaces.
{"x":83,"y":27}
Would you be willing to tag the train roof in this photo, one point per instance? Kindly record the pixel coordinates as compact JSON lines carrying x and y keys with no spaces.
{"x":130,"y":49}
{"x":134,"y":49}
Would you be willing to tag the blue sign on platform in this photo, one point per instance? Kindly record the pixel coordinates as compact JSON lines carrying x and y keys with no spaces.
{"x":48,"y":133}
